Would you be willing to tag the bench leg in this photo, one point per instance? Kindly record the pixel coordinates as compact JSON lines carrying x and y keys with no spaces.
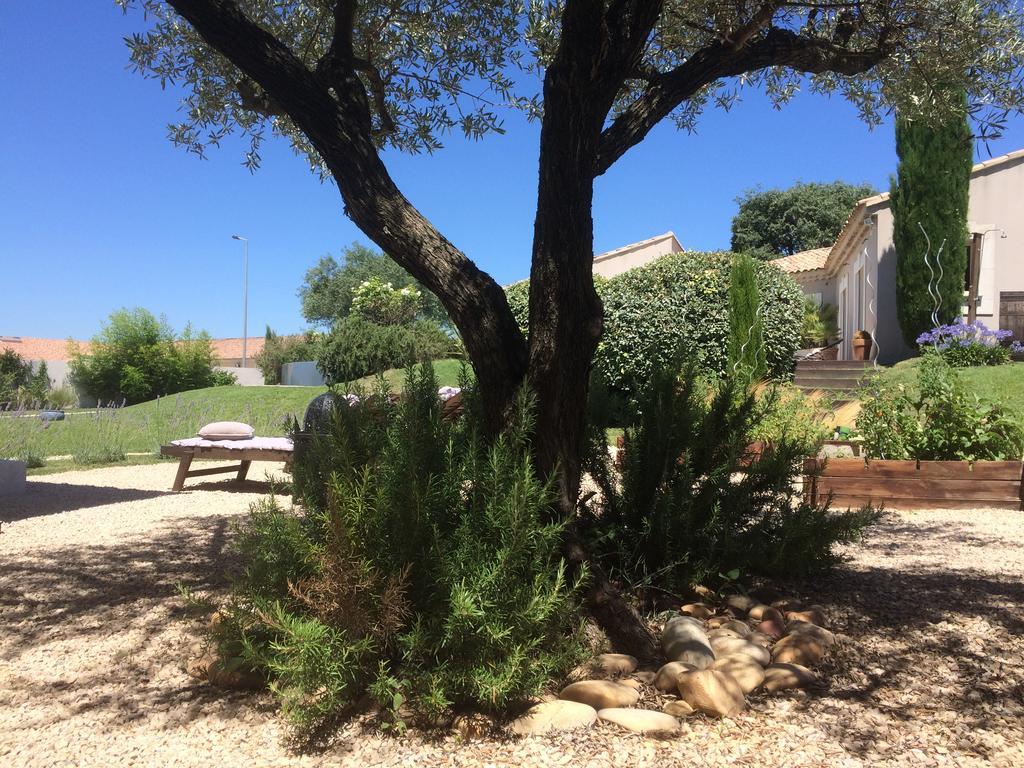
{"x":243,"y":469}
{"x":183,"y":465}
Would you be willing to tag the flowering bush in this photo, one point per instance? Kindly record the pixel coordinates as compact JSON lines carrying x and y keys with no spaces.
{"x":380,"y":302}
{"x":967,"y":344}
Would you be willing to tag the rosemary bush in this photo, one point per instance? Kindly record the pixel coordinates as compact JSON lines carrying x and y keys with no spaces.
{"x":691,"y":499}
{"x":423,"y":567}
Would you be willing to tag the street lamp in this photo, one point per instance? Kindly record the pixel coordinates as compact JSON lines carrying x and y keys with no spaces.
{"x":245,"y":298}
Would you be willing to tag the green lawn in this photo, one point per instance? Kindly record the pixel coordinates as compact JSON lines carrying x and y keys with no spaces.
{"x":1003,"y":384}
{"x":98,"y":437}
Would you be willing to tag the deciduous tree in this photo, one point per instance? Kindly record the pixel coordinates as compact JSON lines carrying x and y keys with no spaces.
{"x":780,"y":222}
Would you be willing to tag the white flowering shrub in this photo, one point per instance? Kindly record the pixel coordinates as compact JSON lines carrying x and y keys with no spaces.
{"x":380,"y":302}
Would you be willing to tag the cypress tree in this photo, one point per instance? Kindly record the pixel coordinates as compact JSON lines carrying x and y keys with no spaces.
{"x":931,"y":191}
{"x":746,"y":338}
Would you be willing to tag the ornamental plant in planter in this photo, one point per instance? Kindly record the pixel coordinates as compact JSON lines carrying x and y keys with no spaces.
{"x":939,"y":448}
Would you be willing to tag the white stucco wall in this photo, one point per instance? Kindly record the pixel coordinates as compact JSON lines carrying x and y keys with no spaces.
{"x":623,"y":259}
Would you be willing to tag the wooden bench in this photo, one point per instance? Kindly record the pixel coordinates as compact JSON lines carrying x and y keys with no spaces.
{"x":244,"y":454}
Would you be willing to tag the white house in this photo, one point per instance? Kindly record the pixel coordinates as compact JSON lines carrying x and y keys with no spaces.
{"x":627,"y":257}
{"x":858,"y":273}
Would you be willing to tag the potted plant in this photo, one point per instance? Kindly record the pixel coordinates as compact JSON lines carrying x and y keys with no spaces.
{"x":861,"y":345}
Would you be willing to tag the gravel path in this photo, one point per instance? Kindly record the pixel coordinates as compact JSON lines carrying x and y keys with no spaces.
{"x":93,"y":642}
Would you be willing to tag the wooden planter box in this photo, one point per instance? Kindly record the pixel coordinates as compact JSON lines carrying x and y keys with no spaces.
{"x":915,"y":485}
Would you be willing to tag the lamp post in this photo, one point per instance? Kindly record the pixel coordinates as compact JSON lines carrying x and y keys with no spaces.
{"x":245,"y":298}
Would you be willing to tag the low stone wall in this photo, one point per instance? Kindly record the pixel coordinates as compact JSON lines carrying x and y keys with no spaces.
{"x":303,"y":374}
{"x":12,"y":477}
{"x":247,"y":377}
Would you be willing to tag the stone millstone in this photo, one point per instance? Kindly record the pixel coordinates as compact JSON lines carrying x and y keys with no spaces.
{"x":616,"y":663}
{"x":743,"y":669}
{"x":558,"y":715}
{"x":711,"y":692}
{"x":779,"y":677}
{"x":640,"y":720}
{"x":665,"y":680}
{"x":600,"y":694}
{"x":684,"y":639}
{"x":730,"y":646}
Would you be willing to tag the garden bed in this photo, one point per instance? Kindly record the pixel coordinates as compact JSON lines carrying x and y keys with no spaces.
{"x":915,"y":484}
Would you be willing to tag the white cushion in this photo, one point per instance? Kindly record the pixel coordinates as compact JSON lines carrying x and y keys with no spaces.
{"x":227,"y":430}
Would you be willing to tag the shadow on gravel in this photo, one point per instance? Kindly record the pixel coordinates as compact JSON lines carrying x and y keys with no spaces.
{"x":41,"y":499}
{"x":934,"y":637}
{"x":78,"y":592}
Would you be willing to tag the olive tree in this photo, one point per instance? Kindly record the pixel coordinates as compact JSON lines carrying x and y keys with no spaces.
{"x":343,"y":79}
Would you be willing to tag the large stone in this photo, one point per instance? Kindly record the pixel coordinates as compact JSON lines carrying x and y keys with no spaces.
{"x":684,"y":639}
{"x":741,"y":628}
{"x":557,"y":715}
{"x":802,"y":649}
{"x":724,"y":632}
{"x":640,"y":720}
{"x":730,"y":646}
{"x":717,"y":621}
{"x":645,"y":676}
{"x":600,"y":694}
{"x":814,"y":614}
{"x":760,"y":638}
{"x":697,"y":610}
{"x":740,"y":605}
{"x":763,"y":612}
{"x":711,"y":692}
{"x":743,"y":669}
{"x":823,"y":636}
{"x":772,"y":628}
{"x":665,"y":680}
{"x":678,"y":708}
{"x":779,"y":677}
{"x":616,"y":663}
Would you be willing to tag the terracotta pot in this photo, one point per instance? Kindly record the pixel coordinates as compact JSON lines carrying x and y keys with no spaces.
{"x":862,"y":347}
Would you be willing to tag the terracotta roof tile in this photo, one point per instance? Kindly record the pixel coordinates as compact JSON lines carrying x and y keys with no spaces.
{"x":805,"y":261}
{"x":31,"y":348}
{"x":39,"y":349}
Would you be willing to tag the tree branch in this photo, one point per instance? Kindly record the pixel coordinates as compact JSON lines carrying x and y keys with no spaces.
{"x":337,"y":122}
{"x":777,"y":47}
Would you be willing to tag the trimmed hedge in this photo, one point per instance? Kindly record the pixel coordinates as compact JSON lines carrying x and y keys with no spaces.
{"x":682,"y":299}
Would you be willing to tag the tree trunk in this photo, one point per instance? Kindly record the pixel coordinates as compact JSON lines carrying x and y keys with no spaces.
{"x":565,"y":312}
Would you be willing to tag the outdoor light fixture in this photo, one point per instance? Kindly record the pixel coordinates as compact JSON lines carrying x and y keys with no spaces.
{"x":245,"y":298}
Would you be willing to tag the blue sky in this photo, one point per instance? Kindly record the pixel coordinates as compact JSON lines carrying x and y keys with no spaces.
{"x":100,"y":211}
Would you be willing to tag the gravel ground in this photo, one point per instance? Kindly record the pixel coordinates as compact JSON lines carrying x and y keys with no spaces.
{"x":929,"y":669}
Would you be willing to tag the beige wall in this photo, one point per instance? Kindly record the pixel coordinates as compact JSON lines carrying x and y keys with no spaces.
{"x":997,"y":206}
{"x":623,"y":259}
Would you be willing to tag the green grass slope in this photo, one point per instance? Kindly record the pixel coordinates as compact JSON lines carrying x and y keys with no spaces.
{"x":1003,"y":384}
{"x":95,"y":436}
